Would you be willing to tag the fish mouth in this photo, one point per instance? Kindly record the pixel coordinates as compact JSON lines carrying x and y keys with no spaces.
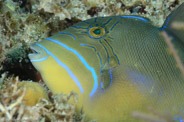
{"x":38,"y":53}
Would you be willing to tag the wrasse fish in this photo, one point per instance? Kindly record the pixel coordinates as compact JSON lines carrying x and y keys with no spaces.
{"x":116,"y":64}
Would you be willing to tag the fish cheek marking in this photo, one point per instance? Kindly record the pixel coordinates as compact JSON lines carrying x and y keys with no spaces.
{"x":110,"y":62}
{"x":107,"y":77}
{"x":100,"y":35}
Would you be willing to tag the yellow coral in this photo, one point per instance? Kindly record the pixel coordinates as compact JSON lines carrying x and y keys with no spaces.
{"x":34,"y":92}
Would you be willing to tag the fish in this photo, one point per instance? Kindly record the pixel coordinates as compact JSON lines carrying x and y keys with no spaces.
{"x":116,"y":64}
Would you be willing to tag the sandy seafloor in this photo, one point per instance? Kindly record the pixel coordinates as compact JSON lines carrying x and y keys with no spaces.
{"x":23,"y":22}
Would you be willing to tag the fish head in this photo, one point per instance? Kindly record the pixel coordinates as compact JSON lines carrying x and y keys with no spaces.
{"x":73,"y":59}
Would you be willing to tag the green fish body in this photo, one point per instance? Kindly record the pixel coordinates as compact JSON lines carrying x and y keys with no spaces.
{"x":117,"y":65}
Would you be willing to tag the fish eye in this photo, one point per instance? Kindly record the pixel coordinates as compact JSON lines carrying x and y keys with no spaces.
{"x":97,"y":32}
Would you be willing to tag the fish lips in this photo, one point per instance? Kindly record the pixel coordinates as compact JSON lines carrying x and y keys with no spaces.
{"x":39,"y":54}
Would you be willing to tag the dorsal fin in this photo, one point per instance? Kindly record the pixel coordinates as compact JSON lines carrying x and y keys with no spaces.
{"x":175,"y":16}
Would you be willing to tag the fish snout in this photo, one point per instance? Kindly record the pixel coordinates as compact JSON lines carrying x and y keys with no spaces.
{"x":39,"y":54}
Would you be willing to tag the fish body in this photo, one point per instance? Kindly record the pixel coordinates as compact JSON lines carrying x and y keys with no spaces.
{"x":117,"y":65}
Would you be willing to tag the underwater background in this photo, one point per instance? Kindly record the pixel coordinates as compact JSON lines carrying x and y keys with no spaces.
{"x":24,"y":22}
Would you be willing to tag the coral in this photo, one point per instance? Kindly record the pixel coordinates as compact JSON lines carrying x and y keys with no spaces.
{"x":55,"y":7}
{"x":156,"y":10}
{"x":34,"y":92}
{"x":12,"y":108}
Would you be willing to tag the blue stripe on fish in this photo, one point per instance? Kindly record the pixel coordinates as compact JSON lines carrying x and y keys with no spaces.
{"x":112,"y":50}
{"x":105,"y":50}
{"x":91,"y":26}
{"x":100,"y":60}
{"x":85,"y":22}
{"x":95,"y":51}
{"x":95,"y":19}
{"x":107,"y":22}
{"x":110,"y":37}
{"x":68,"y":34}
{"x":114,"y":25}
{"x":80,"y":27}
{"x":91,"y":69}
{"x":165,"y":26}
{"x":88,"y":46}
{"x":136,"y":17}
{"x":110,"y":73}
{"x":98,"y":57}
{"x":77,"y":82}
{"x":100,"y":68}
{"x":42,"y":59}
